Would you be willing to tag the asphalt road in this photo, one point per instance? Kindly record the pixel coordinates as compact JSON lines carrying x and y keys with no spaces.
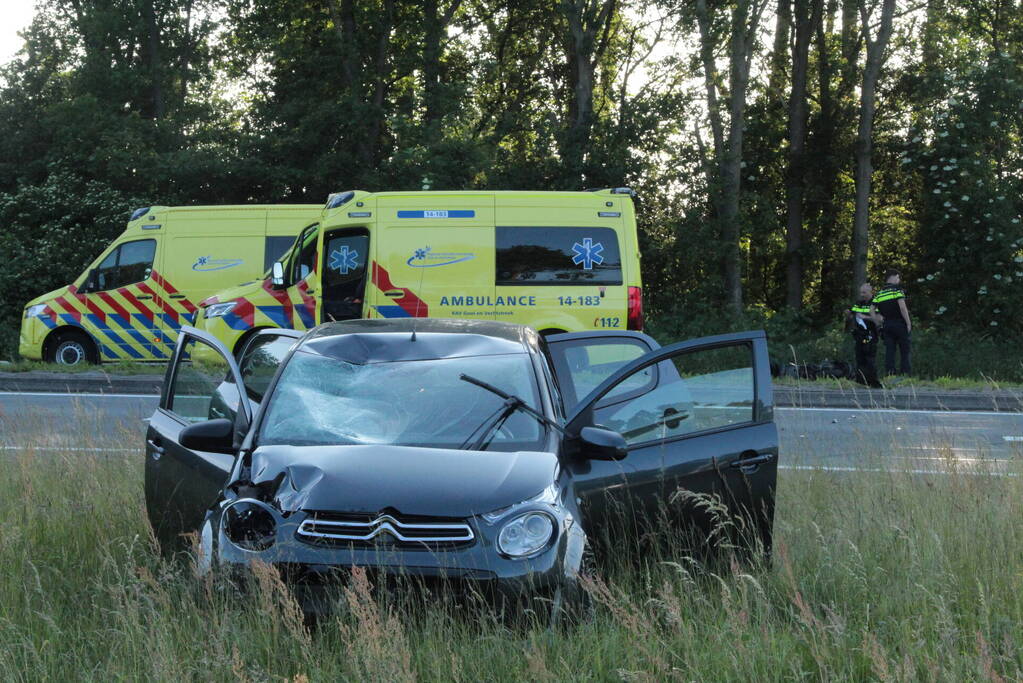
{"x":915,"y":440}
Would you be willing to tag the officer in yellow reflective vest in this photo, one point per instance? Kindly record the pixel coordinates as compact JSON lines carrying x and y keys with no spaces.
{"x":862,"y":321}
{"x":890,"y":302}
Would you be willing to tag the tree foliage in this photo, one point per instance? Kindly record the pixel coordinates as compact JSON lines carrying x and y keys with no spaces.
{"x":736,"y":120}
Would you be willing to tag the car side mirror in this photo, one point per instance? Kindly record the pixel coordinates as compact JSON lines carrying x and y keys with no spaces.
{"x":597,"y":443}
{"x":212,"y":436}
{"x":277,"y":274}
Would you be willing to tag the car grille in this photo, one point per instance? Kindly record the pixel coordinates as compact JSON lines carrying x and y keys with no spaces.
{"x":384,"y":531}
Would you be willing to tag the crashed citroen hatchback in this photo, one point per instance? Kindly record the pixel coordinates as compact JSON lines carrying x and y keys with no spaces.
{"x":458,"y":452}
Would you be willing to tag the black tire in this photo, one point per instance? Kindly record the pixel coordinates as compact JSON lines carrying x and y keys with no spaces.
{"x":73,"y":348}
{"x":243,"y":340}
{"x":576,"y":607}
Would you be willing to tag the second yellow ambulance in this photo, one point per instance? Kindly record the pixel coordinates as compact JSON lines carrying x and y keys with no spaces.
{"x":130,"y":302}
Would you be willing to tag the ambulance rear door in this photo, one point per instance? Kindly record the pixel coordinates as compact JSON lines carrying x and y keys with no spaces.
{"x":561,"y":256}
{"x":435,"y":257}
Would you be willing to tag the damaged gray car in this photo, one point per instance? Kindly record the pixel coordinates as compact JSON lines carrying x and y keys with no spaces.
{"x":468,"y":455}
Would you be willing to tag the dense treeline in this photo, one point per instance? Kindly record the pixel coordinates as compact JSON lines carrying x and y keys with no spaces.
{"x":782,"y":150}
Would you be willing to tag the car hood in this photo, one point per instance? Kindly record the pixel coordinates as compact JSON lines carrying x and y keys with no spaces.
{"x":243,"y":290}
{"x":48,"y":297}
{"x":411,"y":481}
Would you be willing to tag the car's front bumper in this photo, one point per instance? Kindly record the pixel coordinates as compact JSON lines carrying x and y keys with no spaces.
{"x":476,"y":571}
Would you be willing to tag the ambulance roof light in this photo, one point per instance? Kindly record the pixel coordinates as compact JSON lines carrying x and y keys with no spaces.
{"x":138,"y":213}
{"x":613,"y":190}
{"x":339,"y":198}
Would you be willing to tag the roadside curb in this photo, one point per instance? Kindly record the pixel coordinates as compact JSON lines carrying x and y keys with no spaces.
{"x":80,"y":383}
{"x":898,"y":399}
{"x":784,"y":396}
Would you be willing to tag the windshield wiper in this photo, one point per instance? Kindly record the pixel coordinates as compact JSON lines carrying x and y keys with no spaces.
{"x":494,"y":421}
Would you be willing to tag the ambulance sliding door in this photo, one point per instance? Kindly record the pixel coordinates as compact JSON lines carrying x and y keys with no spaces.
{"x":208,"y":251}
{"x":435,"y":258}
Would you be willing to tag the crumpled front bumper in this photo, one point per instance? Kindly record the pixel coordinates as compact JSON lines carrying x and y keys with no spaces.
{"x":316,"y":574}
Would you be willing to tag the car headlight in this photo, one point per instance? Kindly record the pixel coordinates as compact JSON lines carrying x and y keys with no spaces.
{"x":526,"y":534}
{"x":250,"y":524}
{"x":220,"y":310}
{"x":33,"y":311}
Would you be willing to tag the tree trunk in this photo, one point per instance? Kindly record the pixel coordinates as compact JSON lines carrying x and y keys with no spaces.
{"x":864,"y":134}
{"x":745,"y":20}
{"x":586,"y":19}
{"x":807,"y":15}
{"x":153,"y":60}
{"x":186,"y":53}
{"x":431,"y":62}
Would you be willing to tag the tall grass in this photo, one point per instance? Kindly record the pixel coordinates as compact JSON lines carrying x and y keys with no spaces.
{"x":888,"y":576}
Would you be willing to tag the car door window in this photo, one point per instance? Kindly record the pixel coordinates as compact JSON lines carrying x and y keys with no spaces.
{"x":696,"y":391}
{"x":583,"y":364}
{"x":260,"y":361}
{"x":202,"y":387}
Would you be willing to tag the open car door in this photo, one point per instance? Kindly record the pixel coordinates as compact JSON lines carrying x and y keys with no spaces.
{"x":702,"y":446}
{"x":202,"y":383}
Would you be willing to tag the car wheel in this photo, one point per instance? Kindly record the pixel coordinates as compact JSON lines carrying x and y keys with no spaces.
{"x":204,"y":550}
{"x":574,"y":606}
{"x":72,"y":348}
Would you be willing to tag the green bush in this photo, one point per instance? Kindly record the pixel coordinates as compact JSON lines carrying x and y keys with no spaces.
{"x":938,"y":351}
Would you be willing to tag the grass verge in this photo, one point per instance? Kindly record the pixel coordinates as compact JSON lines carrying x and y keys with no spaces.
{"x":885,"y":575}
{"x":118,"y":368}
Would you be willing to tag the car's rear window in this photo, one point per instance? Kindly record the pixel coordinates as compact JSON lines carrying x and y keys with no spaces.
{"x":557,"y":256}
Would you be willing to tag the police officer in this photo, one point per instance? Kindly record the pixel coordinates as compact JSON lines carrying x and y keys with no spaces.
{"x":890,"y":302}
{"x":862,"y":323}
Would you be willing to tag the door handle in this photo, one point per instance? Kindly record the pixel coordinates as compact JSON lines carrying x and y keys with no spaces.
{"x":394,"y":293}
{"x":157,"y":449}
{"x":143,"y":296}
{"x":745,"y":463}
{"x":177,"y":296}
{"x":310,"y":291}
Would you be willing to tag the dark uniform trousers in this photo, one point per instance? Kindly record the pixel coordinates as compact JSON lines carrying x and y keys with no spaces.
{"x":866,"y":363}
{"x":895,"y":334}
{"x":864,"y":334}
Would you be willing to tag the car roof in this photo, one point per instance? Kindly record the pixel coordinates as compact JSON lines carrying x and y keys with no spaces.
{"x":386,"y":341}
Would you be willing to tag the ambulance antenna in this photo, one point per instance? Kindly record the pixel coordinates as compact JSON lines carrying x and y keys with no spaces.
{"x":419,"y":300}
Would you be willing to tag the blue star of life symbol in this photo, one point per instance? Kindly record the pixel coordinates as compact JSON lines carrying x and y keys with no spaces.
{"x":420,"y":254}
{"x":344,"y":260}
{"x":202,"y":260}
{"x":587,"y":253}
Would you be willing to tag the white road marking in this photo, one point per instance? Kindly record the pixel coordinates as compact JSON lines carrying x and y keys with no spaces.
{"x":1013,"y":438}
{"x":63,"y":449}
{"x":75,"y":394}
{"x":878,"y":470}
{"x":950,"y":413}
{"x":818,"y":409}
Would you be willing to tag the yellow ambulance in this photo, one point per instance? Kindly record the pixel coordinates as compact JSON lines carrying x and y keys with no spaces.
{"x":557,"y":261}
{"x":130,"y":302}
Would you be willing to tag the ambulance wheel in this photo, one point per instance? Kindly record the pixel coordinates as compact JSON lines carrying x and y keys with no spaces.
{"x":243,"y":340}
{"x":72,"y":348}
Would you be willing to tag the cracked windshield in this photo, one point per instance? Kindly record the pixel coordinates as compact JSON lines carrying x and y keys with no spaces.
{"x":326,"y":401}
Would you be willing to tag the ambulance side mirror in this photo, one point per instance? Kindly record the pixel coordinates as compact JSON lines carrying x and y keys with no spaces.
{"x":277,"y":274}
